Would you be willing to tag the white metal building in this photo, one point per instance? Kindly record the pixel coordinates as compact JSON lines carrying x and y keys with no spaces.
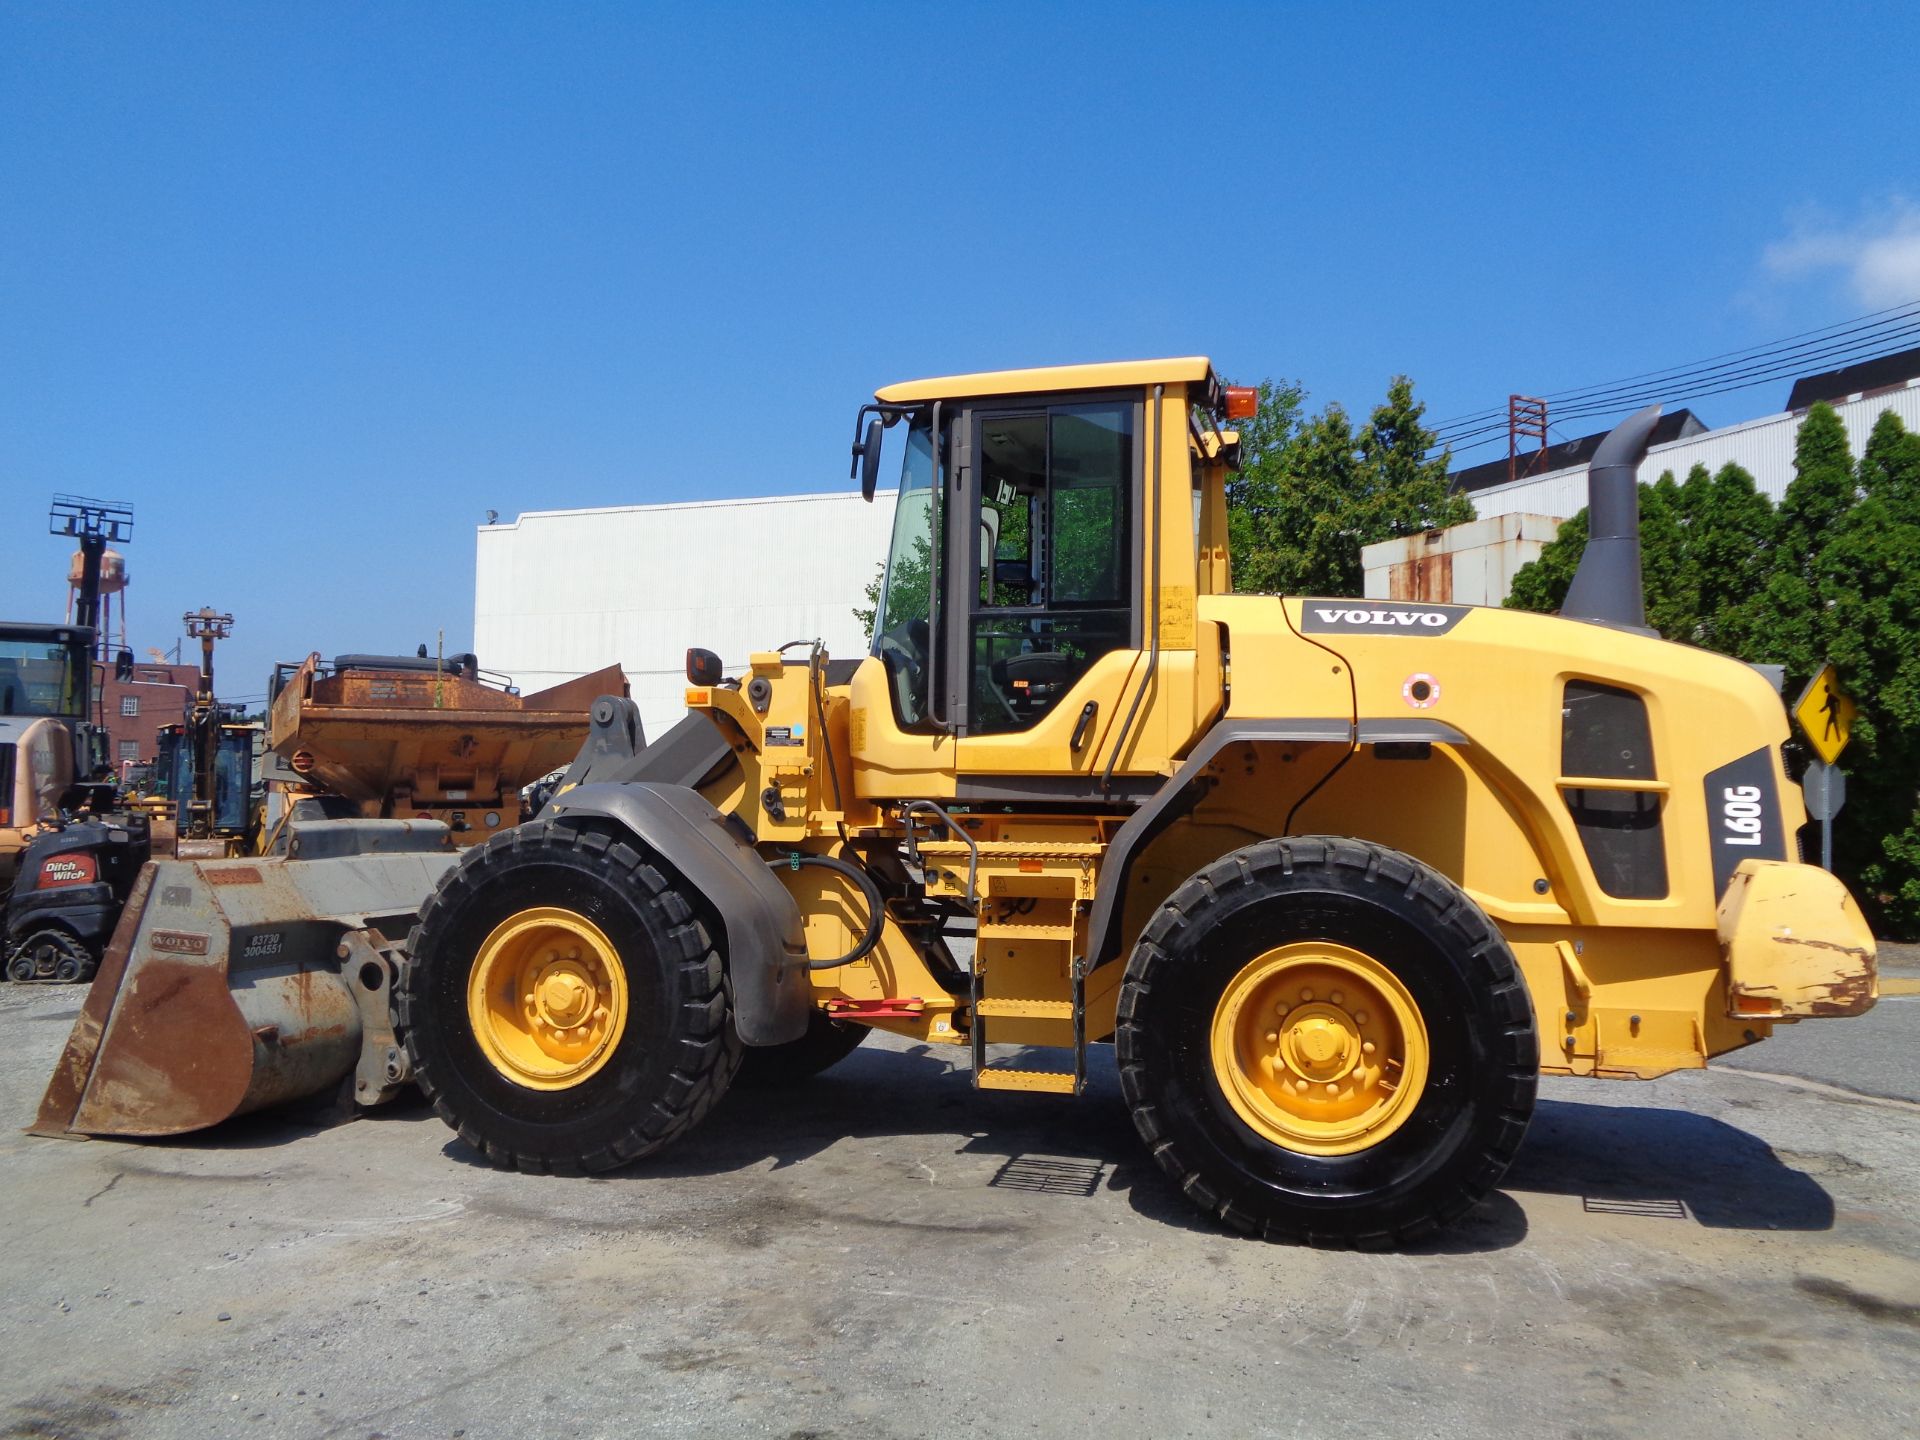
{"x":1469,"y":564}
{"x":1763,"y":447}
{"x":558,"y":593}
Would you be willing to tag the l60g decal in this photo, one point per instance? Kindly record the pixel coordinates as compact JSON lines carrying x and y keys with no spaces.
{"x":1743,"y":816}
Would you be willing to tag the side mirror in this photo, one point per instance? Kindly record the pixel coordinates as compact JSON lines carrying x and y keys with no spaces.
{"x":704,"y":667}
{"x":866,"y":459}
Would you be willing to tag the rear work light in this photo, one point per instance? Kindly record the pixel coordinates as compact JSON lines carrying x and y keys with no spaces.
{"x":1243,"y":401}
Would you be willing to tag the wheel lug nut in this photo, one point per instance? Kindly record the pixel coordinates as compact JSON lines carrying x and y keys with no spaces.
{"x":1359,"y":1017}
{"x":1272,"y":1035}
{"x":1366,"y":1047}
{"x":1336,"y":997}
{"x":1306,"y":994}
{"x":1301,"y":1086}
{"x":1332,"y":1089}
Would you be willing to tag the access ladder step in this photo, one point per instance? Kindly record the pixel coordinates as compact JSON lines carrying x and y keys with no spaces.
{"x":1048,"y":1081}
{"x":1058,"y":850}
{"x":1024,"y":1009}
{"x":1014,"y":930}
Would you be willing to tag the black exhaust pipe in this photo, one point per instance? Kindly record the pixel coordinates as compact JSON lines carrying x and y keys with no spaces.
{"x":1607,"y":586}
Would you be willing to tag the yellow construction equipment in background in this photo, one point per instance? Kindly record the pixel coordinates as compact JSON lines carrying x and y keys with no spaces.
{"x":1338,"y":878}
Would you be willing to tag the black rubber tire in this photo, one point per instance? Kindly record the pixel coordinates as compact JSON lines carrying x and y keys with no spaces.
{"x":20,"y":966}
{"x":678,"y":1052}
{"x":1484,"y":1051}
{"x":827,"y":1042}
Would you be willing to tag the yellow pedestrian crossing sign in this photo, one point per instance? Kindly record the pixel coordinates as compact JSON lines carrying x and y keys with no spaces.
{"x":1826,"y":713}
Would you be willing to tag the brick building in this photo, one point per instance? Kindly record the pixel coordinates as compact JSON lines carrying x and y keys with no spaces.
{"x":134,"y":710}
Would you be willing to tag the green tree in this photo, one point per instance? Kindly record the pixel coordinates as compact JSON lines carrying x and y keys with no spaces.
{"x":1867,"y":585}
{"x":1255,"y":492}
{"x":1732,"y":529}
{"x":1312,"y":491}
{"x":912,"y":587}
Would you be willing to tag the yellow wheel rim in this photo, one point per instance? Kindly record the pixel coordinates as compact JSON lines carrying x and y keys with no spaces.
{"x":1320,"y":1048}
{"x":547,"y":998}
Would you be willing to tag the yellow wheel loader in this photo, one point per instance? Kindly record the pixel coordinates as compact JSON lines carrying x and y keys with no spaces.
{"x":1337,"y":878}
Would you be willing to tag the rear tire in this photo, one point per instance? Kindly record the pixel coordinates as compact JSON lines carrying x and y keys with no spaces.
{"x":548,"y":926}
{"x":1292,"y":1132}
{"x":827,"y":1042}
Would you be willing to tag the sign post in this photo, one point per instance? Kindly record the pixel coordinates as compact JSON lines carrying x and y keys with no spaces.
{"x":1826,"y":714}
{"x":1826,"y":791}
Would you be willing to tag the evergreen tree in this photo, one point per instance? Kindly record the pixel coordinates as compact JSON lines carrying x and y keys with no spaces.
{"x":1823,"y":484}
{"x":1867,"y":580}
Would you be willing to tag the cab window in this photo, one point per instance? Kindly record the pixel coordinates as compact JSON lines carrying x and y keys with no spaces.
{"x":901,"y":636}
{"x":1056,"y":572}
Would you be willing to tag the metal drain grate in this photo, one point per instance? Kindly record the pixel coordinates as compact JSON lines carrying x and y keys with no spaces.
{"x":1646,"y":1209}
{"x":1044,"y":1176}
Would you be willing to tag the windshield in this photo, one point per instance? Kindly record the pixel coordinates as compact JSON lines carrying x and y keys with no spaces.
{"x":39,"y":677}
{"x":900,"y":634}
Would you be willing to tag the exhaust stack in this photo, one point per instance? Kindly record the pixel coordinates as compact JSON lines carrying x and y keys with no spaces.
{"x":1607,"y":585}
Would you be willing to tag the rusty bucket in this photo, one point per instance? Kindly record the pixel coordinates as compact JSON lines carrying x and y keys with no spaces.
{"x":233,"y":985}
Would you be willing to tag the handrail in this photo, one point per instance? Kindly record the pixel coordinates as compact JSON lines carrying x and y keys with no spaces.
{"x":973,"y":845}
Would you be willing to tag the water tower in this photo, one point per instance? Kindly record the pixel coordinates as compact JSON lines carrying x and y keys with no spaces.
{"x":112,"y":593}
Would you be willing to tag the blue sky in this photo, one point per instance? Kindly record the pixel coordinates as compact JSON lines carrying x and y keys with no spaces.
{"x":316,"y":286}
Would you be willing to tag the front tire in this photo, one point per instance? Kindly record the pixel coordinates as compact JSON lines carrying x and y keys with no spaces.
{"x":1325,"y":1040}
{"x":563,"y":1007}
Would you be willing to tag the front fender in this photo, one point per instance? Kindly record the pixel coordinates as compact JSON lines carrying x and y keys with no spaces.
{"x":762,"y":936}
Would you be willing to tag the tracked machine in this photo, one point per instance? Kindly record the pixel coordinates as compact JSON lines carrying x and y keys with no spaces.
{"x":1337,"y":879}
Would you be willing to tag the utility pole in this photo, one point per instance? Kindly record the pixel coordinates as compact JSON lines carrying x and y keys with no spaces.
{"x":205,"y":625}
{"x":1526,"y":416}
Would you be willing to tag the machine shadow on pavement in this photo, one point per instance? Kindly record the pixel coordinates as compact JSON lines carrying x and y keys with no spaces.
{"x":1640,"y":1157}
{"x":1636,"y":1157}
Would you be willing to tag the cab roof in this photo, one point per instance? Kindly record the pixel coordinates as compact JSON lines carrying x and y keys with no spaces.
{"x":54,"y":633}
{"x":1111,"y":375}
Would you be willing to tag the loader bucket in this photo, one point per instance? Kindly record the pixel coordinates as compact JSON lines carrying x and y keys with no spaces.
{"x":233,"y":985}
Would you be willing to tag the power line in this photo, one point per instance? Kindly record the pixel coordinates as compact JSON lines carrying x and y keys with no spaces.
{"x":1601,"y":400}
{"x":1811,"y":340}
{"x":1867,"y":337}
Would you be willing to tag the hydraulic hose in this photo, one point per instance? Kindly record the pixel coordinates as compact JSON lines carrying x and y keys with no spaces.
{"x":876,"y":902}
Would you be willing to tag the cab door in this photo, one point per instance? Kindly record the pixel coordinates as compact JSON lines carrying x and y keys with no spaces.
{"x":1044,"y":593}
